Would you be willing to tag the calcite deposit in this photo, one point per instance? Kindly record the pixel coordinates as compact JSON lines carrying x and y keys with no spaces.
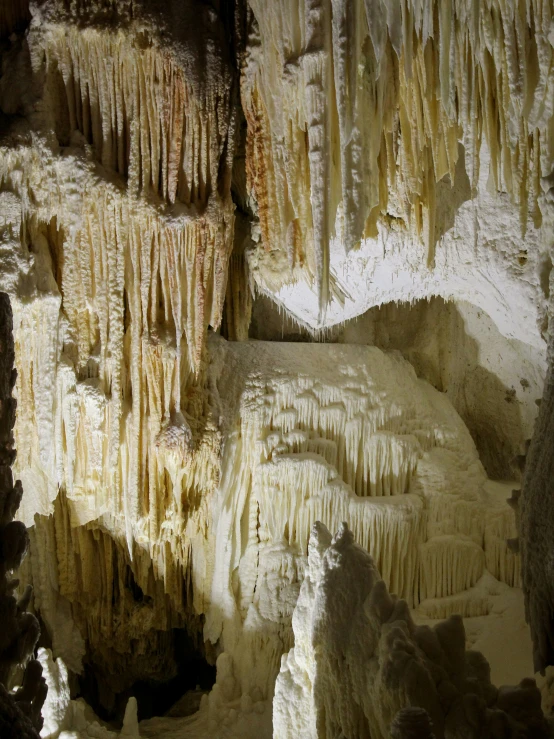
{"x":20,"y":709}
{"x":359,"y":660}
{"x":367,"y":187}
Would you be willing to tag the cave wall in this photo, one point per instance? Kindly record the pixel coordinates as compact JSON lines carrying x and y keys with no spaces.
{"x":116,"y":232}
{"x":360,"y":110}
{"x":162,"y":162}
{"x":22,"y":686}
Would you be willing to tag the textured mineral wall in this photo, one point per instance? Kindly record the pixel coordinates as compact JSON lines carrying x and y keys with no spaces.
{"x":117,"y":226}
{"x":361,"y":440}
{"x":493,"y":382}
{"x":393,"y":151}
{"x":372,"y":124}
{"x":22,"y":687}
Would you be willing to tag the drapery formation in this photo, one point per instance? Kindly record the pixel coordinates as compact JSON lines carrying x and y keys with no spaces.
{"x":355,"y":111}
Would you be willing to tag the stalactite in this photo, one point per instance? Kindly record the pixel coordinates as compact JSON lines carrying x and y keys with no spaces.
{"x":141,"y":113}
{"x":403,"y":82}
{"x":120,"y":229}
{"x":122,"y":607}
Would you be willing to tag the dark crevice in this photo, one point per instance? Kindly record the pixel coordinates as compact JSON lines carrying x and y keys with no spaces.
{"x":191,"y":674}
{"x":15,"y":16}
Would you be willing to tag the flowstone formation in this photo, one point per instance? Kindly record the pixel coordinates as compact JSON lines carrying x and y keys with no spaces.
{"x":363,"y":440}
{"x":359,"y":658}
{"x":20,"y":710}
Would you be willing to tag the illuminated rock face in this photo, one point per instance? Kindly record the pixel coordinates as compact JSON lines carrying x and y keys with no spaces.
{"x":392,"y":151}
{"x":116,"y":232}
{"x":361,"y":440}
{"x":371,"y":123}
{"x":20,"y":710}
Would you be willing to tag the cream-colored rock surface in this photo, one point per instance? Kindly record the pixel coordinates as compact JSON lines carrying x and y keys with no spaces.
{"x":494,"y":383}
{"x":359,"y":659}
{"x":370,"y":127}
{"x":393,"y":151}
{"x":362,"y":441}
{"x":115,"y":236}
{"x":481,"y":257}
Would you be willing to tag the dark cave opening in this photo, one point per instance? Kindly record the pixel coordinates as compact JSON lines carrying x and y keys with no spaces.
{"x":181,"y":692}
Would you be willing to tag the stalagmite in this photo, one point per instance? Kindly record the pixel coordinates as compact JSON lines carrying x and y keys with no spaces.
{"x":66,"y":718}
{"x":359,"y":658}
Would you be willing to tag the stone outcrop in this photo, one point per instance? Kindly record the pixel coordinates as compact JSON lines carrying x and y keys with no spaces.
{"x":20,"y":711}
{"x":359,"y":659}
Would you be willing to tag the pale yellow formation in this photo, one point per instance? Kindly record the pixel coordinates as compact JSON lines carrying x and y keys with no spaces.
{"x":171,"y":481}
{"x":110,"y":367}
{"x":115,"y":249}
{"x":135,"y":105}
{"x":355,"y":111}
{"x":335,"y":433}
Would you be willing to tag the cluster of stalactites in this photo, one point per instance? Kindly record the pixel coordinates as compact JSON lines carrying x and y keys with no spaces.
{"x":126,"y":232}
{"x":357,"y":109}
{"x":116,"y":380}
{"x":136,"y":96}
{"x":173,"y":278}
{"x":143,"y":114}
{"x":122,"y":605}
